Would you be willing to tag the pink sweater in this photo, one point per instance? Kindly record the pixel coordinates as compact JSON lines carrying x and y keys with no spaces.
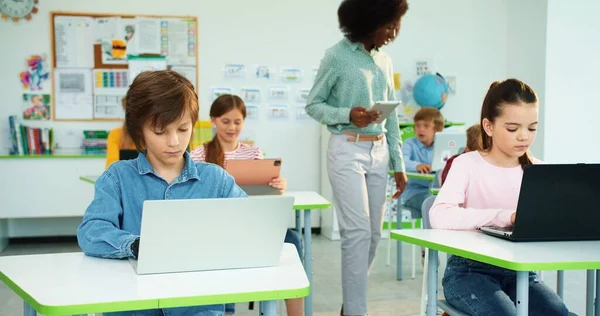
{"x":476,"y":193}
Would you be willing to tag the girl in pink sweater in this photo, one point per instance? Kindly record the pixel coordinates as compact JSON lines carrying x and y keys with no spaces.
{"x":482,"y":189}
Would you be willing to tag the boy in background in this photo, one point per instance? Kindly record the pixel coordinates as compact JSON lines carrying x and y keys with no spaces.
{"x":418,"y":156}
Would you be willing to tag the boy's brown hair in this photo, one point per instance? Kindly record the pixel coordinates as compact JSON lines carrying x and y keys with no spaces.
{"x":474,"y":138}
{"x":432,"y":115}
{"x":158,"y":98}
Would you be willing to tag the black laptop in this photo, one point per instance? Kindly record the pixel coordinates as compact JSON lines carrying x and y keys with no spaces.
{"x":556,"y":203}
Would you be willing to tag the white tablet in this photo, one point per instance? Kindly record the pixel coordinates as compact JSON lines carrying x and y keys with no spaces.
{"x":385,"y":107}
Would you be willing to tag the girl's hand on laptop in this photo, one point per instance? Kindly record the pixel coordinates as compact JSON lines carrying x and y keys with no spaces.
{"x":279,"y":183}
{"x":512,"y":218}
{"x":424,"y":168}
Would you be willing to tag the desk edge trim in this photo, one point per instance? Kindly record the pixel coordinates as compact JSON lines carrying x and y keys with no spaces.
{"x":516,"y":266}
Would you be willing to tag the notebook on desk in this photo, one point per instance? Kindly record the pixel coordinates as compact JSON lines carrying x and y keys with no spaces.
{"x":254,"y":175}
{"x":212,"y":234}
{"x":556,"y":203}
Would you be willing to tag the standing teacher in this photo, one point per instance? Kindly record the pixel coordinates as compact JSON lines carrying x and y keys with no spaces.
{"x":353,"y":75}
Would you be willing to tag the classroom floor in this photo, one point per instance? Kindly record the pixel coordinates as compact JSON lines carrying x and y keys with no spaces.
{"x":387,"y":297}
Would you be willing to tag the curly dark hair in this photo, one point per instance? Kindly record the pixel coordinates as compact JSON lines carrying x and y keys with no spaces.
{"x":360,"y":18}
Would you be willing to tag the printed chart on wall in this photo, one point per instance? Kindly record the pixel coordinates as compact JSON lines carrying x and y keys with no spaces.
{"x":96,"y":58}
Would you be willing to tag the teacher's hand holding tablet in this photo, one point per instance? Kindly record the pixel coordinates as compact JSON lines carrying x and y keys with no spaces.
{"x":362,"y":117}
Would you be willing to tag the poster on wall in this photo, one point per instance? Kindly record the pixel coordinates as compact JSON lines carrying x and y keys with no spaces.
{"x":250,"y":95}
{"x":278,"y":92}
{"x":263,"y":72}
{"x":36,"y":106}
{"x":36,"y":74}
{"x":216,"y":92}
{"x":137,"y":64}
{"x":291,"y":74}
{"x":74,"y":42}
{"x":231,"y":71}
{"x":278,"y":111}
{"x":115,"y":36}
{"x":73,"y":94}
{"x":178,"y":41}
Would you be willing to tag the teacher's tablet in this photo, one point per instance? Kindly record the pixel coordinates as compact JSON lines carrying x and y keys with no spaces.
{"x":385,"y":108}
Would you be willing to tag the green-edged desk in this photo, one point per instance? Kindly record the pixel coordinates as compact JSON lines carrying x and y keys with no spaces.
{"x":305,"y":201}
{"x":519,"y":256}
{"x":73,"y":283}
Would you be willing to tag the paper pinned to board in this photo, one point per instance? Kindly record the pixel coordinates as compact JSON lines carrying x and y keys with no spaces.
{"x":147,"y":39}
{"x":178,"y":41}
{"x":73,"y":94}
{"x":74,"y":42}
{"x":110,"y":85}
{"x":115,"y":36}
{"x":138,"y":64}
{"x":188,"y":72}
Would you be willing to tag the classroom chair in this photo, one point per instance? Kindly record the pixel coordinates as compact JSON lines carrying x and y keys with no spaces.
{"x":404,"y":212}
{"x":442,"y":304}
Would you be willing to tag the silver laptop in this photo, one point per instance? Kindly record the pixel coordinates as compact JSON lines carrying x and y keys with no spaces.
{"x":446,"y":145}
{"x":212,"y":234}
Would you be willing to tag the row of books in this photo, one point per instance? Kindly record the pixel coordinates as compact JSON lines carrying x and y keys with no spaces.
{"x":30,"y":140}
{"x":94,"y":141}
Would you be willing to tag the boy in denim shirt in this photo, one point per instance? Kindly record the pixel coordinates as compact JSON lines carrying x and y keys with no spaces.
{"x":418,"y":156}
{"x":161,"y":109}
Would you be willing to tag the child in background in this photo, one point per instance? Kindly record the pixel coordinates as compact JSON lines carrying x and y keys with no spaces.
{"x":161,"y":110}
{"x":482,"y":189}
{"x":228,"y":113}
{"x":418,"y":156}
{"x":473,"y":143}
{"x":117,"y":139}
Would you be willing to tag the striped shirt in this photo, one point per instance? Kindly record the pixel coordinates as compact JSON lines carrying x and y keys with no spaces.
{"x":242,"y":152}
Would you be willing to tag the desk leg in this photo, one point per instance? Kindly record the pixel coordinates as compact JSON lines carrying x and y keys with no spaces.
{"x":432,"y":282}
{"x":299,"y":230}
{"x":597,"y":305}
{"x":398,"y":244}
{"x":267,"y":308}
{"x":28,"y":310}
{"x":589,"y":291}
{"x":298,"y":227}
{"x":560,"y":283}
{"x":522,"y":293}
{"x":308,"y":262}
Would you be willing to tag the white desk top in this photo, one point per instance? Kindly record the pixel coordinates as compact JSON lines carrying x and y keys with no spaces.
{"x":72,"y":283}
{"x":519,"y":256}
{"x":308,"y":200}
{"x":304,"y":200}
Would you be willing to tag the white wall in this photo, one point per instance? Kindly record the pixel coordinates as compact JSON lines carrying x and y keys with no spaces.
{"x":526,"y":54}
{"x":572,"y":68}
{"x":464,"y":38}
{"x":286,"y":33}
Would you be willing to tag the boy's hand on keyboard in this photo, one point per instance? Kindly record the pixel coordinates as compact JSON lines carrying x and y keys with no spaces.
{"x":512,"y":218}
{"x":424,"y":168}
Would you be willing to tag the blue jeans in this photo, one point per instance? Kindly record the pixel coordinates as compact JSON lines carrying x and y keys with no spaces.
{"x":291,"y":237}
{"x":477,"y":288}
{"x":414,"y":204}
{"x":205,"y":310}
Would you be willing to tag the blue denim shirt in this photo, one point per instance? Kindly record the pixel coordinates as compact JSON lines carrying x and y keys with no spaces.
{"x":416,"y":153}
{"x":113,"y":220}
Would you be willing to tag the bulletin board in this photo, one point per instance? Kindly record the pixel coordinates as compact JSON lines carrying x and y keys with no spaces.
{"x":95,"y":57}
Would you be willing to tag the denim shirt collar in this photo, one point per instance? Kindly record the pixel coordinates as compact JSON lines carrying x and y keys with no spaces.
{"x":189,"y":169}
